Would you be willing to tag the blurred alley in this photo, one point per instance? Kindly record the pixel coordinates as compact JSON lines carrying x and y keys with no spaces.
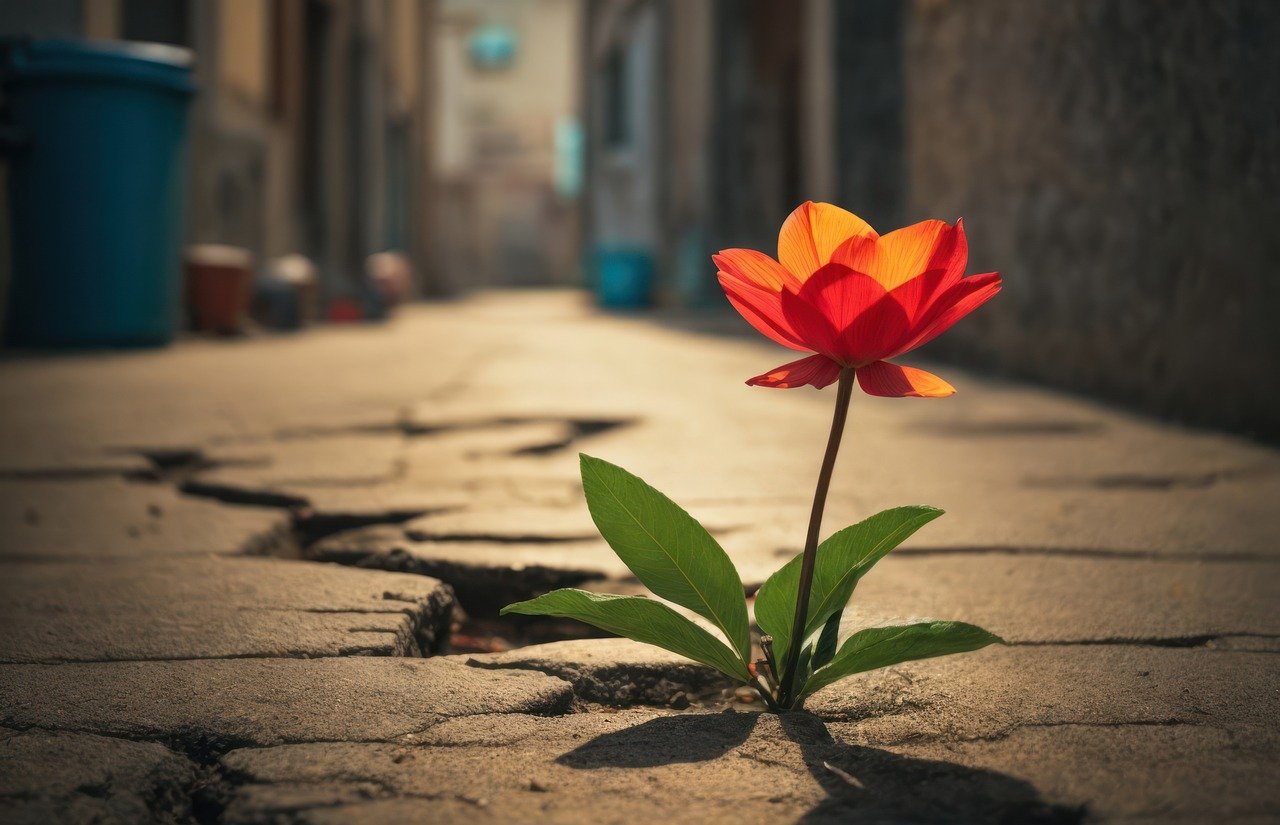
{"x":309,"y":306}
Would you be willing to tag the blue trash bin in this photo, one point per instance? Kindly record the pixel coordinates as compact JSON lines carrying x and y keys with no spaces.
{"x":96,"y":186}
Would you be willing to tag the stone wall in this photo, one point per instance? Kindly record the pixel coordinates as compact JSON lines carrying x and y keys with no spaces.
{"x":1119,"y":162}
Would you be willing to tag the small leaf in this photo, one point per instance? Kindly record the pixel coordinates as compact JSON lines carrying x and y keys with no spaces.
{"x":804,"y":666}
{"x":667,"y":549}
{"x":638,"y":618}
{"x":878,"y":647}
{"x":825,"y":649}
{"x":842,"y":560}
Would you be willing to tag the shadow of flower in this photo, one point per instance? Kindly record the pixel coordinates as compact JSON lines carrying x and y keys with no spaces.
{"x":667,"y":740}
{"x":861,"y":784}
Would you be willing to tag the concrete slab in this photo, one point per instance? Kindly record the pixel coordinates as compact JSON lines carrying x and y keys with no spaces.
{"x":1074,"y":598}
{"x":207,"y":707}
{"x":1180,"y":773}
{"x":71,"y":777}
{"x":530,"y":525}
{"x":623,"y":767}
{"x":213,"y":607}
{"x":284,"y":469}
{"x":112,"y":518}
{"x":66,"y":462}
{"x":994,"y":691}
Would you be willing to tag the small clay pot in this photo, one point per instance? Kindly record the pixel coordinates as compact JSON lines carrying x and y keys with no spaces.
{"x":219,"y":287}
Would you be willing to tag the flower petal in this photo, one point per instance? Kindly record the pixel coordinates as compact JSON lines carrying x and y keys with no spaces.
{"x":957,"y":302}
{"x":942,"y":270}
{"x":812,"y":232}
{"x":817,"y":370}
{"x":930,"y":250}
{"x":895,"y":381}
{"x":846,"y":315}
{"x":762,"y":309}
{"x":754,"y":267}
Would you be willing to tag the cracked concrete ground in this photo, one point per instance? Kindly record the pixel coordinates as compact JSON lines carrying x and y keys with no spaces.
{"x":225,"y":562}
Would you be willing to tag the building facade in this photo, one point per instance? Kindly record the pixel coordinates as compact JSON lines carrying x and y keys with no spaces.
{"x":1118,"y":161}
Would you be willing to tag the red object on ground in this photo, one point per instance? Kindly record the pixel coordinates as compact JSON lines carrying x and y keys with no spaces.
{"x":219,"y":287}
{"x":345,"y":311}
{"x":855,"y":298}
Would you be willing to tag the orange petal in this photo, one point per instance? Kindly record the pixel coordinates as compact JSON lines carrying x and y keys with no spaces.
{"x":957,"y":302}
{"x":762,"y":309}
{"x":943,"y":269}
{"x":932,"y":247}
{"x":753,"y":267}
{"x":812,"y":232}
{"x":817,"y":370}
{"x":894,"y":381}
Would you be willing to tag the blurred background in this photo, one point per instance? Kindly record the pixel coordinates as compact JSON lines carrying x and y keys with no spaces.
{"x":289,"y":162}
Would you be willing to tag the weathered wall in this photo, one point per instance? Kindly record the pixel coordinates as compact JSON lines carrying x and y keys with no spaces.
{"x":1119,"y":162}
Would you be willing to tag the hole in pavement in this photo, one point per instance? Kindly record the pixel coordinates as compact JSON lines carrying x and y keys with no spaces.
{"x":482,"y":590}
{"x":498,"y":634}
{"x":595,"y":680}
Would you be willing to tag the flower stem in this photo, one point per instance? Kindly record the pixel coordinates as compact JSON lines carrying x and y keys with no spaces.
{"x":843,"y":394}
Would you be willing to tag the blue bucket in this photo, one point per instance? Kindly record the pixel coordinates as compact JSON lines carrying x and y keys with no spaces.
{"x":96,"y":190}
{"x":624,"y":277}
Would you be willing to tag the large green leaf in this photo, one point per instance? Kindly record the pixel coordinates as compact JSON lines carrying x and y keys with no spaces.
{"x":638,"y":618}
{"x":842,"y":560}
{"x":878,"y":647}
{"x":667,"y":549}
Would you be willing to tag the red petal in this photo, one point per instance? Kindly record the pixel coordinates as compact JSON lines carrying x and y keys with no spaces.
{"x":957,"y":302}
{"x":916,"y":263}
{"x":894,"y":381}
{"x":762,"y":309}
{"x":812,"y":232}
{"x":846,"y":315}
{"x":755,"y":268}
{"x":817,"y":370}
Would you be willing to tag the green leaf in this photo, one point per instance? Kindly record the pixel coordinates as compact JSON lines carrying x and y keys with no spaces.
{"x":825,"y":648}
{"x":878,"y":647}
{"x":804,"y":664}
{"x":638,"y":618}
{"x":667,"y":549}
{"x":842,"y":560}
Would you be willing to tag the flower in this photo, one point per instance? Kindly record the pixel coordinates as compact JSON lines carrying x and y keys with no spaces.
{"x":855,"y":298}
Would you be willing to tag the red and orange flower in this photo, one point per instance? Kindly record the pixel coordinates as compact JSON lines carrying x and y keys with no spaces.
{"x":855,"y":298}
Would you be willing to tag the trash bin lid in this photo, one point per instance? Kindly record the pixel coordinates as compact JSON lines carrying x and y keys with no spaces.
{"x":150,"y":63}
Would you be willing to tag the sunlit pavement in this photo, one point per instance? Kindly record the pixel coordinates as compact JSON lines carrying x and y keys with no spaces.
{"x":219,"y":590}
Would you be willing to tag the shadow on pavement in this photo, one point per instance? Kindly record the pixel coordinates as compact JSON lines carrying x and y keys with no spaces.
{"x":862,"y":784}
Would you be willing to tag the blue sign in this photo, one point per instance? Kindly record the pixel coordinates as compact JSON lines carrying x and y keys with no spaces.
{"x":493,"y":46}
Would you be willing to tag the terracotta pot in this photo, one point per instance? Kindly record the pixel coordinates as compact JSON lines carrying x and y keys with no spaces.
{"x":219,"y":286}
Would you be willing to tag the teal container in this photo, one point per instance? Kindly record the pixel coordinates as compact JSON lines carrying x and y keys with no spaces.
{"x":624,"y":277}
{"x":96,"y":188}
